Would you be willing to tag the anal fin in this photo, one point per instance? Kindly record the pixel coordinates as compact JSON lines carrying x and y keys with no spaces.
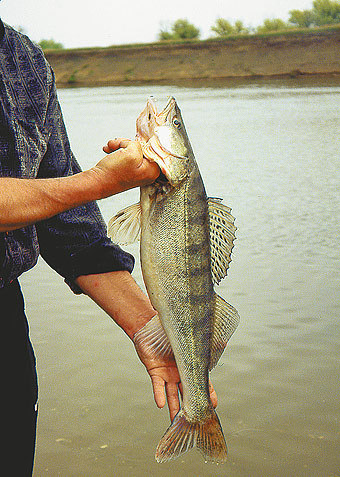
{"x":226,"y":320}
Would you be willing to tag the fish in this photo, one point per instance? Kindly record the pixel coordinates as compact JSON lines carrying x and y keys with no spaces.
{"x":186,"y":240}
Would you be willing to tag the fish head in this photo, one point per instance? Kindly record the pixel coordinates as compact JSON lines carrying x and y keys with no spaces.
{"x":165,"y":141}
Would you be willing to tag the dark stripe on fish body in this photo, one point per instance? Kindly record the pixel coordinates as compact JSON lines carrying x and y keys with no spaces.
{"x":200,"y":298}
{"x":199,"y":269}
{"x":194,"y":249}
{"x":198,"y":219}
{"x":196,"y":273}
{"x":199,"y":195}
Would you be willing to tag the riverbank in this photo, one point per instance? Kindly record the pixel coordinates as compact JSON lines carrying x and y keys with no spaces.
{"x":294,"y":53}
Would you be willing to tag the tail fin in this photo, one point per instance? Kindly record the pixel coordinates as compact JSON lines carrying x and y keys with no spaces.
{"x":183,"y":435}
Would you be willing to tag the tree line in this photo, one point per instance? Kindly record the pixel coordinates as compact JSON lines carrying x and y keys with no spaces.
{"x":323,"y":12}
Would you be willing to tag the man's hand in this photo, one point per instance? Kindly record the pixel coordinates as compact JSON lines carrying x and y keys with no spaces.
{"x":124,"y":167}
{"x":166,"y":382}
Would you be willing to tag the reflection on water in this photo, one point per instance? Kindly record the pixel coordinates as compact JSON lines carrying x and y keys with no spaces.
{"x":272,"y":151}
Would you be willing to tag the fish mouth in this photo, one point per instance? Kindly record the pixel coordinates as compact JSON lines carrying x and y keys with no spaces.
{"x":150,"y":126}
{"x":169,"y":108}
{"x":147,"y":121}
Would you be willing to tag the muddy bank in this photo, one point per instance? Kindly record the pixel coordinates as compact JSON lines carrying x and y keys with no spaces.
{"x":293,"y":54}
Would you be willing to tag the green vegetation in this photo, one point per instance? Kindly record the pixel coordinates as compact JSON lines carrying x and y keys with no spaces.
{"x":326,"y":12}
{"x":50,"y":45}
{"x":72,"y":79}
{"x":272,"y":24}
{"x":301,"y":18}
{"x":181,"y":29}
{"x":224,"y":28}
{"x":323,"y":12}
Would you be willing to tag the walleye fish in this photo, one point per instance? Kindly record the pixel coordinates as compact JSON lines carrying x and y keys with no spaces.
{"x":185,"y":248}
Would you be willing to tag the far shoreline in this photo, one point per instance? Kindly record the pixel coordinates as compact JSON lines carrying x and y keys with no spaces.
{"x":293,"y":54}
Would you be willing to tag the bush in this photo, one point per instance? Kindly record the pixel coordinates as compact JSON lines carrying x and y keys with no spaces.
{"x":324,"y":12}
{"x":272,"y":24}
{"x":223,"y":28}
{"x":50,"y":45}
{"x":180,"y":30}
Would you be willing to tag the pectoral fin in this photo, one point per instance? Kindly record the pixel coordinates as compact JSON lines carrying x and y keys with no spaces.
{"x":226,"y":320}
{"x":124,"y":227}
{"x":222,"y":236}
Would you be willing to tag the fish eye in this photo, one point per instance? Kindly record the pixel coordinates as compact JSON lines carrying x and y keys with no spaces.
{"x":176,"y":123}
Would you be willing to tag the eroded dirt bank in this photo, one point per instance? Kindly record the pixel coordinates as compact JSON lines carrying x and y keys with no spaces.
{"x":312,"y":53}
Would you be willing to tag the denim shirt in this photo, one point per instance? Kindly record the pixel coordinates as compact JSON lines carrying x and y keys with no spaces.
{"x":34,"y":144}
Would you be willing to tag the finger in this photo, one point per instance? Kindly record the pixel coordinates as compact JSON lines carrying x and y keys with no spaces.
{"x":107,"y":149}
{"x":119,"y":142}
{"x":173,"y":399}
{"x":111,"y":146}
{"x":213,"y":395}
{"x":158,"y":391}
{"x":114,"y":144}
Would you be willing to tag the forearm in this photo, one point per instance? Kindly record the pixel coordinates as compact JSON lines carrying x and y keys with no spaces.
{"x":119,"y":296}
{"x":26,"y":201}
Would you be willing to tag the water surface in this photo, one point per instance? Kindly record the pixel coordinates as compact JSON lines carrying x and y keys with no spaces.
{"x":271,"y":150}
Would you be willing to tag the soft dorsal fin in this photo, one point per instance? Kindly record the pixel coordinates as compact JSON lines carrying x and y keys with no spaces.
{"x":226,"y":320}
{"x":124,"y":227}
{"x":222,"y":236}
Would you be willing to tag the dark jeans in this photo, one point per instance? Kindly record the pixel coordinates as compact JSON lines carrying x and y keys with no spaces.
{"x":19,"y":391}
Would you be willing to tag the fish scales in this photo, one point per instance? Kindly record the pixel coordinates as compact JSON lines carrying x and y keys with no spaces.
{"x":181,"y":232}
{"x":169,"y":236}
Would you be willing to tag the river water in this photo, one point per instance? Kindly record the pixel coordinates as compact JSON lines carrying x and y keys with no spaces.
{"x":271,"y":150}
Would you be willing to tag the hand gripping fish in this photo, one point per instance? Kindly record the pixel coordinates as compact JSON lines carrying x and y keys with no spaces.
{"x":185,"y":248}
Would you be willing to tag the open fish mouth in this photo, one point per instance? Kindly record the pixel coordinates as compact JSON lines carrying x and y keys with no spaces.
{"x":147,"y":121}
{"x":157,"y":136}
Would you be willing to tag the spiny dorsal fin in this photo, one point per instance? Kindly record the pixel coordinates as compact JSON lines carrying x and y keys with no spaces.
{"x":124,"y":227}
{"x":222,"y":236}
{"x":226,"y":320}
